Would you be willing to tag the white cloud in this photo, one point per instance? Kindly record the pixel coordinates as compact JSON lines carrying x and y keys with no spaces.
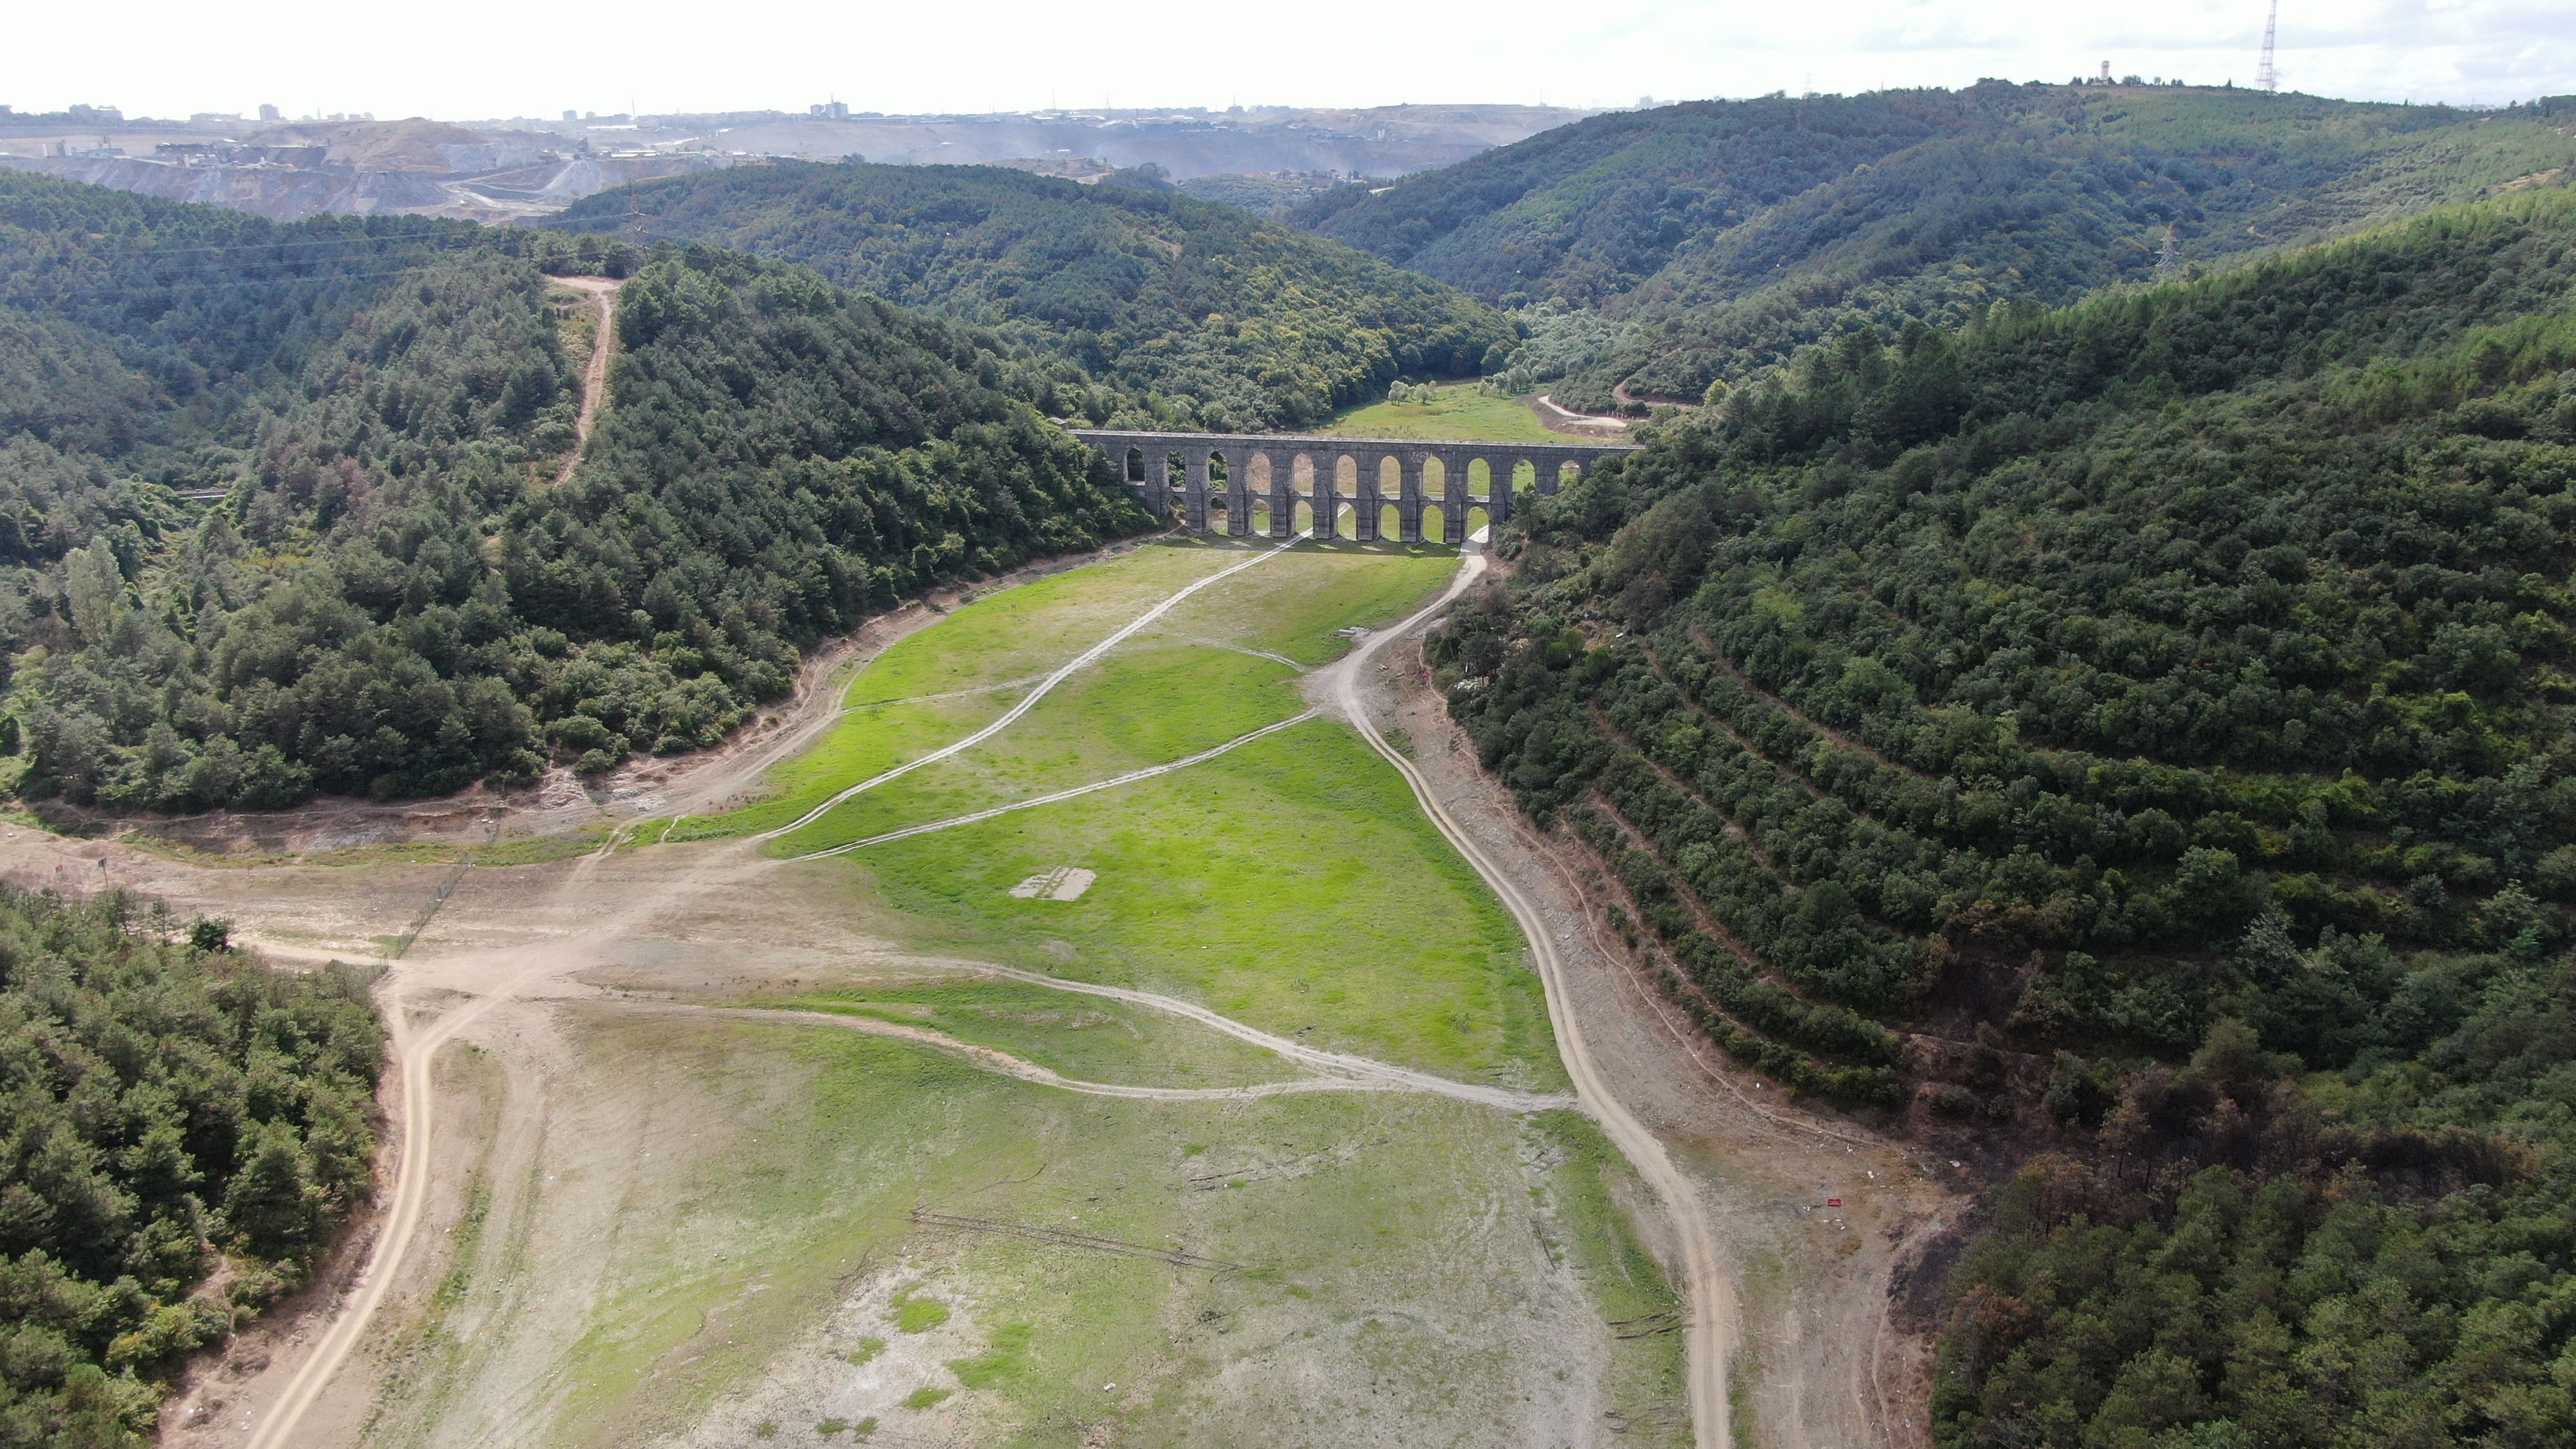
{"x":470,"y":58}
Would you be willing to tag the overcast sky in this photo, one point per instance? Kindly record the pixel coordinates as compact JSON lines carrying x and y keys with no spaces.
{"x":482,"y":58}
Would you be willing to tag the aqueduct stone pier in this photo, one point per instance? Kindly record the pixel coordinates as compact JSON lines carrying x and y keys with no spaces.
{"x":1222,"y":482}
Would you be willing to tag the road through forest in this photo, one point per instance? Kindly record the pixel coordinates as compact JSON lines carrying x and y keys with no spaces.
{"x":601,"y":293}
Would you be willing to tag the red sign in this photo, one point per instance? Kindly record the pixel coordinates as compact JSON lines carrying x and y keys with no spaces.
{"x":1833,"y":1202}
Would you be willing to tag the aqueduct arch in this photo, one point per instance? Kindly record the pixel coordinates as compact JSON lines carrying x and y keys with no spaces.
{"x":1200,"y":497}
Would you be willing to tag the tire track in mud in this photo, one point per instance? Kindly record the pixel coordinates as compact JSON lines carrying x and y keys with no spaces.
{"x":1706,"y":1286}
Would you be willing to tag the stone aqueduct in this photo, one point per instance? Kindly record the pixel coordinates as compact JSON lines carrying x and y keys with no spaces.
{"x":1261,"y":472}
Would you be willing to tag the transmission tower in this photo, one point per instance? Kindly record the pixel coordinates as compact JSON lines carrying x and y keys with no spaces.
{"x":2265,"y":77}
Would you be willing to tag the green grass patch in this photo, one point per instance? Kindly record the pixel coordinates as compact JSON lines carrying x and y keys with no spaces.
{"x":925,"y":1397}
{"x":1034,"y":628}
{"x":868,"y":741}
{"x":1463,"y":411}
{"x":1152,"y":701}
{"x":868,"y":1348}
{"x":1292,"y":884}
{"x":1007,"y":1355}
{"x":918,"y":1315}
{"x":1295,"y":604}
{"x":1158,"y":701}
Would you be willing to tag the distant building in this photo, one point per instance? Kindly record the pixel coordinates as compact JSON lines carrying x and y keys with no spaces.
{"x":215,"y":118}
{"x":268,"y":114}
{"x":830,"y":111}
{"x":96,"y":113}
{"x":572,"y":115}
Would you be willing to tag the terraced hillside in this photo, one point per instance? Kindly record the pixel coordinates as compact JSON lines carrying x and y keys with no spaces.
{"x":2142,"y":730}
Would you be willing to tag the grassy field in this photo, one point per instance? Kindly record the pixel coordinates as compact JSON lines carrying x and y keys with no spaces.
{"x":1465,"y":412}
{"x":1292,"y":883}
{"x":1384,"y":1269}
{"x":718,"y":1247}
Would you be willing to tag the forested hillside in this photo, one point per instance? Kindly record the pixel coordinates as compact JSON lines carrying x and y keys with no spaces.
{"x":1725,"y":235}
{"x":388,"y":598}
{"x":167,"y":1100}
{"x":1221,"y":320}
{"x":2139,"y":731}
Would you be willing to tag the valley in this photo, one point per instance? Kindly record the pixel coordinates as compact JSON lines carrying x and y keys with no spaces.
{"x":664,"y":1189}
{"x":1883,"y":769}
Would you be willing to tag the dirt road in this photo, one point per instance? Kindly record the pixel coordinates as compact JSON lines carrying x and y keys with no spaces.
{"x":1706,"y":1287}
{"x":1351,"y":1074}
{"x":414,"y":1054}
{"x":602,"y":292}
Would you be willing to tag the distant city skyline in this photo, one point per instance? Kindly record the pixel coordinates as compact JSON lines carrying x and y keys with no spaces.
{"x":457,"y":62}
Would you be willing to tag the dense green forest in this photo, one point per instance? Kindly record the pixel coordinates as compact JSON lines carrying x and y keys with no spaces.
{"x":2141,"y":730}
{"x":168,"y":1100}
{"x":1215,"y":318}
{"x":1723,"y":236}
{"x":387,"y":598}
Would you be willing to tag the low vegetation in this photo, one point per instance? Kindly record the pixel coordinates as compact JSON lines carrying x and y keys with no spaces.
{"x":1391,"y":948}
{"x":1360,"y":1234}
{"x":1454,"y":411}
{"x":2142,"y":726}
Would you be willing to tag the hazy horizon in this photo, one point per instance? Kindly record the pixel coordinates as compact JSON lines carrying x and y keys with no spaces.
{"x":455,"y":64}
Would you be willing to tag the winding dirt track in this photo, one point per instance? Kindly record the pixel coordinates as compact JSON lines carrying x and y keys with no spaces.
{"x":1362,"y":1075}
{"x":411,"y":1192}
{"x":1706,"y":1287}
{"x":602,"y":292}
